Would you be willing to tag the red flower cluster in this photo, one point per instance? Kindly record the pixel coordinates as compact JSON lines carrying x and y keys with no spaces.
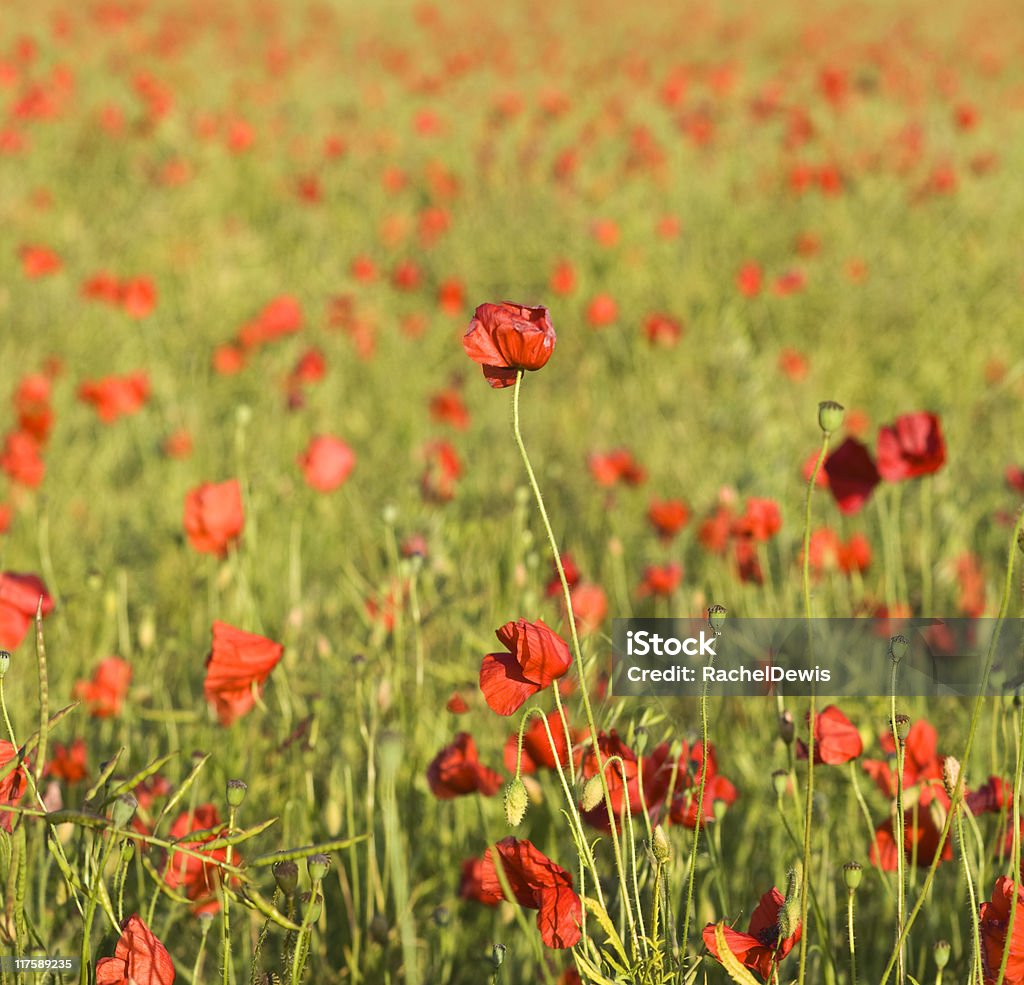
{"x":536,"y":883}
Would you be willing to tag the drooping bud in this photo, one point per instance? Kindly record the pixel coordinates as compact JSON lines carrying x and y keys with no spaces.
{"x":852,"y":874}
{"x":950,"y":775}
{"x":593,"y":791}
{"x":830,"y":416}
{"x":898,"y":646}
{"x":236,"y":790}
{"x":286,"y":875}
{"x":516,"y":801}
{"x":941,"y":952}
{"x":660,"y":846}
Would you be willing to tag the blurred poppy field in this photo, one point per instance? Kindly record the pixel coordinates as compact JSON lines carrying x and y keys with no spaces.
{"x":327,"y":329}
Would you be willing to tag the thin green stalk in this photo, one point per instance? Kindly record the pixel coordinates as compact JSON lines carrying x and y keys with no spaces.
{"x":578,"y":657}
{"x":965,"y":759}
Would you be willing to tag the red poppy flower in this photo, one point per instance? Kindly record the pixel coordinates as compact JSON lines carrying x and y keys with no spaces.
{"x":668,"y":517}
{"x":198,"y":879}
{"x":537,"y":750}
{"x":116,"y":396}
{"x":505,"y":338}
{"x":20,"y":595}
{"x":836,"y":739}
{"x":138,"y":297}
{"x":911,"y":446}
{"x":139,"y":958}
{"x":237,"y":667}
{"x":105,"y":691}
{"x":993,"y":924}
{"x":327,"y":462}
{"x":456,"y":771}
{"x":852,"y":475}
{"x":536,"y":883}
{"x":12,"y":786}
{"x":660,"y":579}
{"x":214,"y":517}
{"x":616,"y":466}
{"x":760,"y":948}
{"x":68,"y":763}
{"x":536,"y":657}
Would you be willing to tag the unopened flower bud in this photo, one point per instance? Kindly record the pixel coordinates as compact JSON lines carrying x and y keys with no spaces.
{"x":660,"y":846}
{"x":902,"y":725}
{"x":516,"y":802}
{"x":898,"y":646}
{"x":852,"y":874}
{"x":716,"y":618}
{"x":123,"y":810}
{"x":5,"y":663}
{"x":317,"y":866}
{"x":950,"y":775}
{"x":830,"y":416}
{"x":780,"y":781}
{"x":286,"y":875}
{"x":941,"y":953}
{"x":592,"y":793}
{"x":787,"y":727}
{"x":236,"y":790}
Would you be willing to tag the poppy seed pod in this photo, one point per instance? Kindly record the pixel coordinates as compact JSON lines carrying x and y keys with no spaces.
{"x":830,"y":416}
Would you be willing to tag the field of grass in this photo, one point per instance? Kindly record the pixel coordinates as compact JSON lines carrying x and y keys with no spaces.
{"x":227,"y":229}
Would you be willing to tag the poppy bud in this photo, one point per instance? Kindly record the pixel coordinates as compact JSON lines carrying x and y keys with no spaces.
{"x":941,"y":953}
{"x":123,"y":810}
{"x":236,"y":790}
{"x":902,"y":728}
{"x":780,"y":781}
{"x":286,"y":875}
{"x":317,"y":866}
{"x":5,"y":663}
{"x":497,"y":955}
{"x":660,"y":846}
{"x":592,"y":793}
{"x":716,"y":618}
{"x":897,"y":647}
{"x":830,"y":416}
{"x":950,"y":775}
{"x":516,"y":802}
{"x":852,"y":873}
{"x":787,"y":727}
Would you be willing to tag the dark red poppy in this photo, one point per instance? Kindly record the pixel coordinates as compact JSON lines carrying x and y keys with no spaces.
{"x":536,"y":883}
{"x":139,"y":958}
{"x":326,"y":463}
{"x":237,"y":667}
{"x":104,"y":693}
{"x":852,"y":475}
{"x":20,"y":594}
{"x":993,"y":924}
{"x":762,"y":947}
{"x":456,"y":771}
{"x":505,"y":338}
{"x":68,"y":762}
{"x":195,"y":877}
{"x":911,"y":446}
{"x":12,"y":786}
{"x":537,"y":750}
{"x":836,"y":739}
{"x":116,"y":396}
{"x":668,"y":517}
{"x":536,"y":657}
{"x":214,"y":517}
